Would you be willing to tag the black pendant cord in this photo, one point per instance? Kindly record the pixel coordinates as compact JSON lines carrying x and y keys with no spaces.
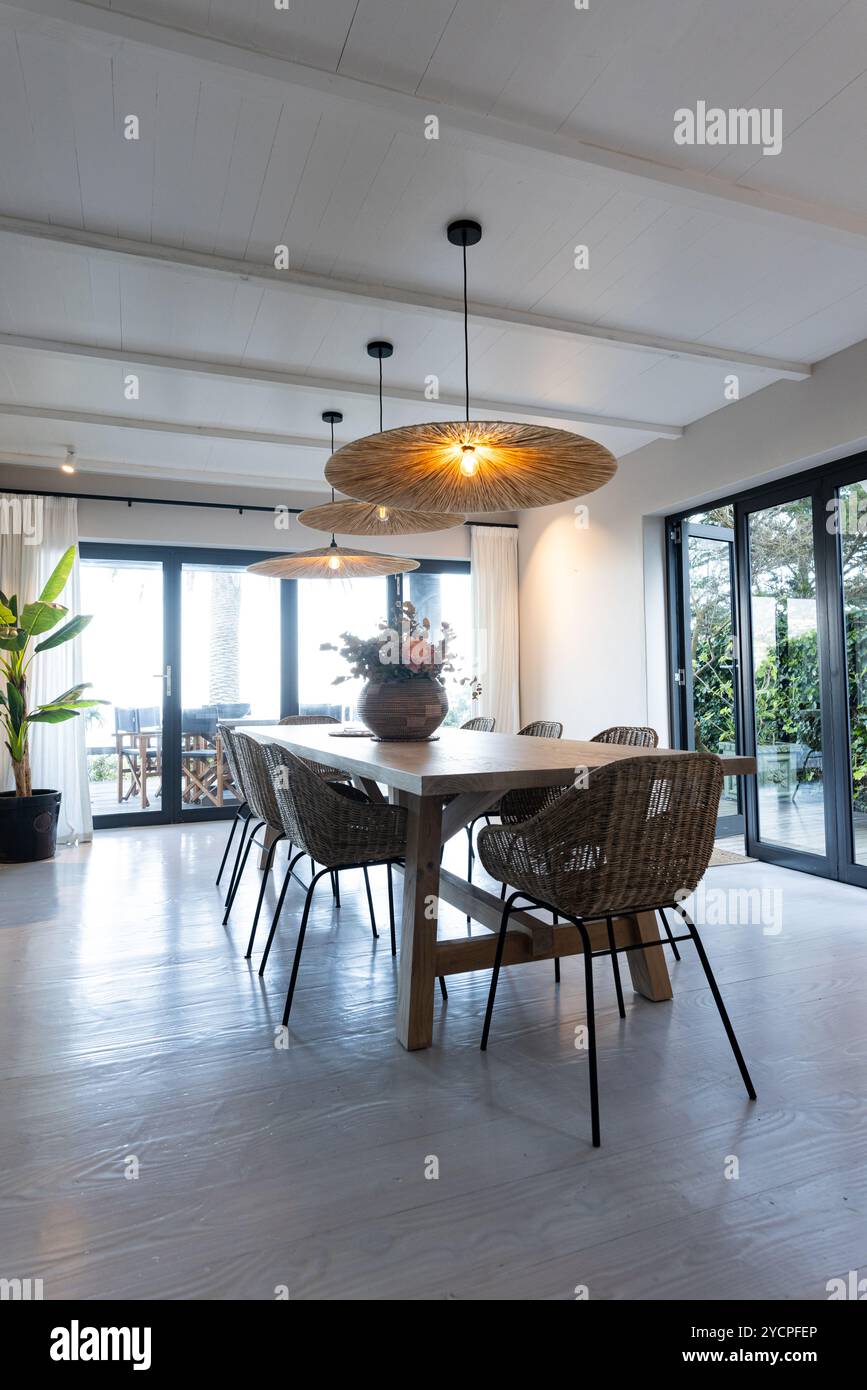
{"x":466,"y":338}
{"x":380,"y":395}
{"x":333,"y":541}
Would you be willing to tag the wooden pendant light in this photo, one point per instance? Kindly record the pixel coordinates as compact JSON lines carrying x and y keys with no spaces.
{"x":470,"y":466}
{"x":373,"y":518}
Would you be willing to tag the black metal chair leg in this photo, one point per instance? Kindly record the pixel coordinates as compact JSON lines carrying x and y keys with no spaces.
{"x":492,"y":992}
{"x":591,"y":1032}
{"x":502,"y":892}
{"x":370,"y":904}
{"x":669,"y":933}
{"x":391,"y":911}
{"x":226,"y":850}
{"x":238,"y":857}
{"x":609,"y":922}
{"x":239,"y":875}
{"x":714,"y":989}
{"x":443,"y":991}
{"x":269,"y":860}
{"x":336,"y":881}
{"x":297,"y":961}
{"x":556,"y":970}
{"x":279,"y":908}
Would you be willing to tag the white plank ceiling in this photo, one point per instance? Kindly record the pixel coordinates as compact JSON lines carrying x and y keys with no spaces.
{"x":248,"y":143}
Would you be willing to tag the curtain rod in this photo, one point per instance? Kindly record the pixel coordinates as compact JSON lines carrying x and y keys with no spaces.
{"x":239,"y":507}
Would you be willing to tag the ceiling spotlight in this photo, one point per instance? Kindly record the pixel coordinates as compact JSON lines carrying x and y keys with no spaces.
{"x":68,"y":466}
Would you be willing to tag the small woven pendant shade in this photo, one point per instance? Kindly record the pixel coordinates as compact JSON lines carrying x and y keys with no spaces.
{"x":367,"y":519}
{"x":332,"y":562}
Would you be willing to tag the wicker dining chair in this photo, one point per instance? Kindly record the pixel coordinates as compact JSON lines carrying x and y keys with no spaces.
{"x":629,"y":735}
{"x":637,"y":837}
{"x":529,"y":800}
{"x":259,"y":790}
{"x":340,"y":828}
{"x":480,"y":724}
{"x":243,"y":811}
{"x":331,"y":774}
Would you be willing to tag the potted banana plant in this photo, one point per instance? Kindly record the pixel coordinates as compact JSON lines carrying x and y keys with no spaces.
{"x":28,"y":816}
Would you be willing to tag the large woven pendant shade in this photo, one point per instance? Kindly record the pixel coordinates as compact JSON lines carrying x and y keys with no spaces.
{"x":332,"y":562}
{"x":372,"y":518}
{"x":470,"y":465}
{"x":516,"y":466}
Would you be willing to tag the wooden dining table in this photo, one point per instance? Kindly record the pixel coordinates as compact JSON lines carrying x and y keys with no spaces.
{"x":474,"y":769}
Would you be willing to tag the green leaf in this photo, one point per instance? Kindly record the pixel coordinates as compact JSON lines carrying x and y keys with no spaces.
{"x":14,"y":644}
{"x":7,"y":617}
{"x":59,"y":577}
{"x":73,"y":693}
{"x":15,"y":703}
{"x":11,"y":604}
{"x":72,"y":629}
{"x":52,"y":716}
{"x":39,"y":617}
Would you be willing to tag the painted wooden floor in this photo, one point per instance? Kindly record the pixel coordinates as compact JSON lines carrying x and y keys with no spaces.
{"x":132,"y":1029}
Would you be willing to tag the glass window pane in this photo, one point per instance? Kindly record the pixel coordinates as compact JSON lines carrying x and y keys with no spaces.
{"x":786,"y":673}
{"x":327,"y":608}
{"x":230,"y":668}
{"x":122,"y":657}
{"x":447,"y":596}
{"x":853,"y":545}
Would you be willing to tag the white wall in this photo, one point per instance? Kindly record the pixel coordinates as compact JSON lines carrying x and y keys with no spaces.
{"x":593,"y":641}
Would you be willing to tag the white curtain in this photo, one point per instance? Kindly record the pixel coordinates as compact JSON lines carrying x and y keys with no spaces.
{"x":494,"y":560}
{"x":34,"y":533}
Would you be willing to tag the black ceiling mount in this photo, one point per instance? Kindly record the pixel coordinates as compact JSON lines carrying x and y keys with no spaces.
{"x":464,"y":232}
{"x":379,"y":348}
{"x":332,"y":417}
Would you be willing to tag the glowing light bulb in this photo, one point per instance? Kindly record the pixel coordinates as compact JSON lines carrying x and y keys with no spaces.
{"x":469,"y":462}
{"x":69,"y":465}
{"x":382,"y":513}
{"x":334,"y":562}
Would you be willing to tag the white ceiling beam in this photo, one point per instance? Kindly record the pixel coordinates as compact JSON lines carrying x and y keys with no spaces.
{"x":544,"y":149}
{"x":129,"y":422}
{"x":333,"y":387}
{"x":394,"y":297}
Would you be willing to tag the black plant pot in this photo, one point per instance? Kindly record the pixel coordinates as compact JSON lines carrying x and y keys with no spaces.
{"x":28,"y":826}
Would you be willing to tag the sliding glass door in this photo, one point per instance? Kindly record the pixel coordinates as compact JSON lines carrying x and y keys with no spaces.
{"x":787,"y":668}
{"x":180,"y":639}
{"x":791,"y":560}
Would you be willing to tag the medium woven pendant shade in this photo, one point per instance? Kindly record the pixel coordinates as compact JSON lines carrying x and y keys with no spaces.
{"x":363,"y":519}
{"x":320,"y":564}
{"x":516,"y":466}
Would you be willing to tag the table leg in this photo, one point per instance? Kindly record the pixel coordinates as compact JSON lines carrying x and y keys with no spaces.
{"x":267,"y":841}
{"x":416,"y":979}
{"x":649,"y":969}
